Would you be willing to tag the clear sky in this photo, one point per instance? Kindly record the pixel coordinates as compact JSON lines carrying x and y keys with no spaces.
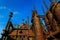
{"x":21,"y":9}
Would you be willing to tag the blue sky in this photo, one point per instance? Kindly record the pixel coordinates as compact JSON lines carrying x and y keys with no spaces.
{"x":21,"y":9}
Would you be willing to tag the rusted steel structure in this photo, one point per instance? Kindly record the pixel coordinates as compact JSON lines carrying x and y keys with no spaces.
{"x":36,"y":31}
{"x":22,"y":32}
{"x":52,"y":22}
{"x":36,"y":24}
